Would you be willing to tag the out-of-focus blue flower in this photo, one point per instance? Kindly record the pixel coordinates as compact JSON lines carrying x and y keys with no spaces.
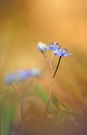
{"x":61,"y":52}
{"x":10,"y":78}
{"x":42,"y":47}
{"x":53,"y":46}
{"x":21,"y":75}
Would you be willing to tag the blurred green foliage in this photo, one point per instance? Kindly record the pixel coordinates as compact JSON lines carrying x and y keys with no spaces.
{"x":9,"y":105}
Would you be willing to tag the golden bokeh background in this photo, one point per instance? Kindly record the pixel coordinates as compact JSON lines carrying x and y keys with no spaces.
{"x":24,"y":23}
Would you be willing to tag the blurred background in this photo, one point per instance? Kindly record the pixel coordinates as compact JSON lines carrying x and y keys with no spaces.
{"x":24,"y":23}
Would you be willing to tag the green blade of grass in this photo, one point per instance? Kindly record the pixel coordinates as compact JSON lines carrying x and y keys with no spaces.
{"x":44,"y":95}
{"x":60,"y":117}
{"x":41,"y":92}
{"x":7,"y":116}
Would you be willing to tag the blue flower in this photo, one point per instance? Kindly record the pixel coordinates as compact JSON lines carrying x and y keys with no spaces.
{"x":10,"y":78}
{"x":61,"y":52}
{"x":53,"y":46}
{"x":42,"y":47}
{"x":21,"y":75}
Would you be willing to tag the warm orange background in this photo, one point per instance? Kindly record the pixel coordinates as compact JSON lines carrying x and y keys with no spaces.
{"x":24,"y":23}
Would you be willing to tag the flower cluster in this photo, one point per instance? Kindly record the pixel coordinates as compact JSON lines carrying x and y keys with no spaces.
{"x":56,"y":50}
{"x":55,"y":47}
{"x":21,"y":75}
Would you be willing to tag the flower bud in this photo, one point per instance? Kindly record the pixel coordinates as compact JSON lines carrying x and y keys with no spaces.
{"x":42,"y":47}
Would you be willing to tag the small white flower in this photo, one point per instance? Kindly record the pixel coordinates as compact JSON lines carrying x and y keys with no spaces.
{"x":42,"y":47}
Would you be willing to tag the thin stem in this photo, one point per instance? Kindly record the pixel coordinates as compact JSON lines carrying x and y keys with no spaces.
{"x":49,"y":63}
{"x":52,"y":57}
{"x":15,"y":90}
{"x":57,"y":67}
{"x":52,"y":81}
{"x":25,"y":91}
{"x":52,"y":78}
{"x":28,"y":88}
{"x":50,"y":94}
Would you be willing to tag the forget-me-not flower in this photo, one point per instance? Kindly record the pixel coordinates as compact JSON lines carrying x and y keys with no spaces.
{"x":21,"y":75}
{"x":53,"y":46}
{"x":61,"y":52}
{"x":56,"y":50}
{"x":10,"y":78}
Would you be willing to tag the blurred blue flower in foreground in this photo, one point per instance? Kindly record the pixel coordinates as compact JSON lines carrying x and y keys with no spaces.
{"x":21,"y":75}
{"x":42,"y":47}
